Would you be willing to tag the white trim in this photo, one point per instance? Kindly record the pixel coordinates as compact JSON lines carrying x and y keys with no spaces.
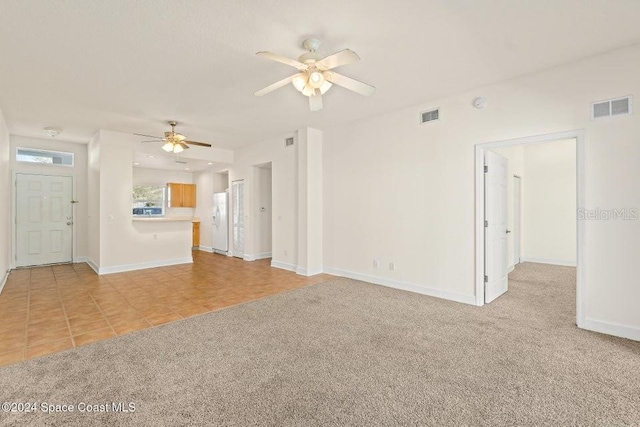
{"x":511,"y":268}
{"x":80,"y":259}
{"x":283,"y":265}
{"x":405,"y":286}
{"x":144,"y":265}
{"x":262,"y":255}
{"x":248,"y":257}
{"x":304,"y":272}
{"x":93,"y":265}
{"x":609,"y":328}
{"x":205,"y":249}
{"x":4,"y":280}
{"x":566,"y":263}
{"x":579,"y":136}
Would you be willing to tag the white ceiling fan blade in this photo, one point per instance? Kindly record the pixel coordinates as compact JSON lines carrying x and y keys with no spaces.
{"x":276,"y":85}
{"x":315,"y":102}
{"x":343,"y":57}
{"x":279,"y":58}
{"x":349,"y":83}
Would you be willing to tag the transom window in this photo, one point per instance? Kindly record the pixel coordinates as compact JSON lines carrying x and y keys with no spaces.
{"x":46,"y":157}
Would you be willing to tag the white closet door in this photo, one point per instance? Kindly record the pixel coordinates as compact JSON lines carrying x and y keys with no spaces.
{"x":237,"y":195}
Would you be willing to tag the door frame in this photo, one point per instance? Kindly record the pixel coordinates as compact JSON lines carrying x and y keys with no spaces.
{"x":579,"y":136}
{"x":14,"y":209}
{"x":513,"y":232}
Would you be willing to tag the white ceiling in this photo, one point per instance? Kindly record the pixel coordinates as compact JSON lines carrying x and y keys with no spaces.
{"x":128,"y":66}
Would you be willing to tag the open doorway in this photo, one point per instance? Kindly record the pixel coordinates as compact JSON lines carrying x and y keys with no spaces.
{"x":527,"y":193}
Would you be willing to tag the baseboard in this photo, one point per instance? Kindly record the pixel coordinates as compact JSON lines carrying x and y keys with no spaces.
{"x":143,"y":265}
{"x":405,"y":286}
{"x":247,"y":257}
{"x":93,"y":265}
{"x":549,"y":261}
{"x":262,"y":255}
{"x":80,"y":259}
{"x":283,"y":265}
{"x":4,"y":280}
{"x":205,"y":249}
{"x":304,"y":272}
{"x":513,"y":267}
{"x":612,"y":329}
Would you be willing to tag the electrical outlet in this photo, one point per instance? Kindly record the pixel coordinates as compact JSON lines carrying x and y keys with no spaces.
{"x":376,"y":263}
{"x":392,"y":266}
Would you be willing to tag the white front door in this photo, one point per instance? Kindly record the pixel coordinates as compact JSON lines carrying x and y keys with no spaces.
{"x":237,"y":196}
{"x":495,"y":215}
{"x":517,"y":203}
{"x":43,"y":219}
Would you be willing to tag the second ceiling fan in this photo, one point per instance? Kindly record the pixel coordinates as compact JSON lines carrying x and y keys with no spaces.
{"x":314,"y":77}
{"x":174,"y":142}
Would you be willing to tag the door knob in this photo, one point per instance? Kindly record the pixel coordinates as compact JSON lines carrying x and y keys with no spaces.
{"x":508,"y":231}
{"x":69,"y":223}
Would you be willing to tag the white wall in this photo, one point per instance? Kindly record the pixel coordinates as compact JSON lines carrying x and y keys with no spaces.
{"x":5,"y":209}
{"x":549,"y":218}
{"x":515,"y":156}
{"x":284,"y":196}
{"x":126,"y":244}
{"x":160,"y":178}
{"x":403,"y":192}
{"x":78,"y":172}
{"x":262,"y":218}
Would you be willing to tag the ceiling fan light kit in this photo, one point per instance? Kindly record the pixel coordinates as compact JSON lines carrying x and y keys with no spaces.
{"x":314,"y":78}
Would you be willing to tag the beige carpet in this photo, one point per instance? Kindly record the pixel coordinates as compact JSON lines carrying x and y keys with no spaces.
{"x":349,"y":353}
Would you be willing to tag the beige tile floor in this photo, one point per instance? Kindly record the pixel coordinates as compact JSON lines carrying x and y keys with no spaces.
{"x":48,"y":309}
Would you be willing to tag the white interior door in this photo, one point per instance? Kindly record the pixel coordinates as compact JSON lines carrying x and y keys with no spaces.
{"x":237,"y":195}
{"x":495,"y":215}
{"x":220,"y":223}
{"x":44,"y":219}
{"x":517,"y":206}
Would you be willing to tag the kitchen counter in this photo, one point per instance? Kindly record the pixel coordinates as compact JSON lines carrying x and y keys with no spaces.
{"x":165,"y":218}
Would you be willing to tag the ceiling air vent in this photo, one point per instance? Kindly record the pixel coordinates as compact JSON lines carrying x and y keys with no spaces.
{"x":288,"y":142}
{"x":611,"y":107}
{"x":429,"y":116}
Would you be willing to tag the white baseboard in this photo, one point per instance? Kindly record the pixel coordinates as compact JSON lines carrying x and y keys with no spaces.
{"x":513,"y":267}
{"x":614,"y":329}
{"x":80,"y":259}
{"x":405,"y":286}
{"x":253,"y":257}
{"x":4,"y":280}
{"x":143,"y":265}
{"x":93,"y":265}
{"x":549,"y":261}
{"x":205,"y":249}
{"x":283,"y":265}
{"x":262,"y":255}
{"x":304,"y":272}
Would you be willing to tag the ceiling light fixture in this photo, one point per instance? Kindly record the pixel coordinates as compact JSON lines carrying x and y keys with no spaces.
{"x":52,"y":132}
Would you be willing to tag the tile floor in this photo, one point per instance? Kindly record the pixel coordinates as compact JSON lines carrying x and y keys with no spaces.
{"x":48,"y":309}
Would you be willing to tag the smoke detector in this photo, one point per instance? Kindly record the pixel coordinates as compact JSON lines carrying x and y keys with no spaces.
{"x":480,"y":102}
{"x":52,"y":132}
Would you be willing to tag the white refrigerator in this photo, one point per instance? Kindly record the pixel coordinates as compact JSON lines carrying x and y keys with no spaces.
{"x":220,"y":223}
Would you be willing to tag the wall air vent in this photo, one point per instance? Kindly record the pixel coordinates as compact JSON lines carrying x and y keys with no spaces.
{"x":288,"y":142}
{"x":612,"y":107}
{"x":429,"y":116}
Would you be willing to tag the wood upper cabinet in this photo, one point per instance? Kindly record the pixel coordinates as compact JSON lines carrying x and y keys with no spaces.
{"x":181,"y":195}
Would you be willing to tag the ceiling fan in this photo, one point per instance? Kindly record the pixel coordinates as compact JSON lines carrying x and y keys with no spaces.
{"x":174,"y":142}
{"x":314,"y":77}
